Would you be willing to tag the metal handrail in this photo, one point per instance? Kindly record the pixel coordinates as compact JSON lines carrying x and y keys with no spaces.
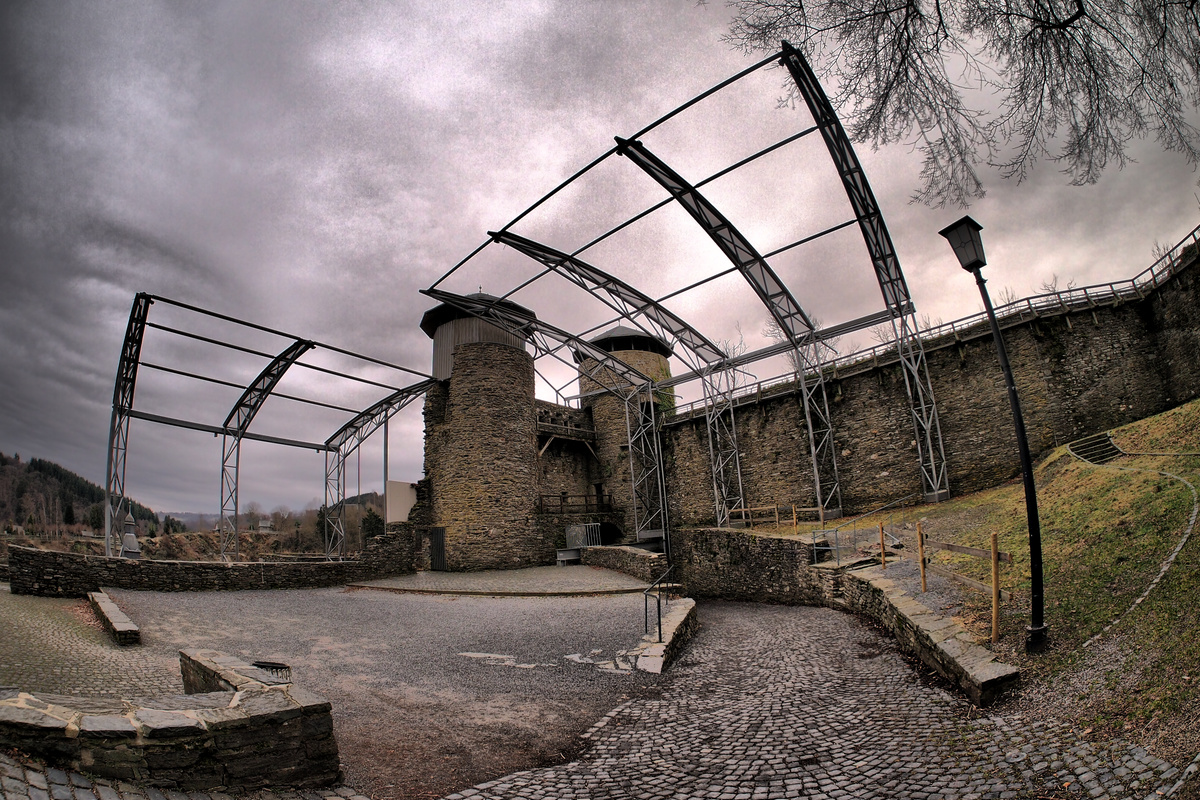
{"x":658,"y":602}
{"x":1007,"y":315}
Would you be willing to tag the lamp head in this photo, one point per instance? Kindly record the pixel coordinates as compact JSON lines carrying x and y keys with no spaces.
{"x":968,"y":245}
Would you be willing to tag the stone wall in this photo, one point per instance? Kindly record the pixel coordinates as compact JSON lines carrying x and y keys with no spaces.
{"x":237,"y":728}
{"x":752,"y":567}
{"x":633,"y":561}
{"x":1077,"y":373}
{"x":46,"y":572}
{"x":481,"y":458}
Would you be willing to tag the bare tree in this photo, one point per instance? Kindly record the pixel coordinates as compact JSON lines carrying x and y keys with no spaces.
{"x":1006,"y":295}
{"x":1075,"y":80}
{"x":1050,"y":285}
{"x":815,"y":353}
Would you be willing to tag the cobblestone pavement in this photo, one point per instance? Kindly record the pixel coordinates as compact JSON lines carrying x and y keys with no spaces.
{"x":775,"y":702}
{"x":56,"y":645}
{"x":531,"y":582}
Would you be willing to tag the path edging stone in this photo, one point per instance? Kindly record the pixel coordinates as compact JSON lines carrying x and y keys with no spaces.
{"x":120,"y":627}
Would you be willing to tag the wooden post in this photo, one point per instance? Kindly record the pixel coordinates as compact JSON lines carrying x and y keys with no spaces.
{"x":794,"y":521}
{"x":921,"y":553}
{"x":995,"y":589}
{"x":882,"y":549}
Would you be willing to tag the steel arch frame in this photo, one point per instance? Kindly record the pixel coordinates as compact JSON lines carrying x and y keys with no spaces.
{"x":341,"y":445}
{"x":698,"y":352}
{"x":237,"y":423}
{"x":785,"y":310}
{"x":122,"y":408}
{"x":892,"y":285}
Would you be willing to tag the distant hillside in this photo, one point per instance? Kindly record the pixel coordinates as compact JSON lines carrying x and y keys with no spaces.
{"x":41,"y":495}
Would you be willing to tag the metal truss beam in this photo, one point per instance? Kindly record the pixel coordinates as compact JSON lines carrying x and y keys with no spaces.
{"x":115,"y":501}
{"x":236,"y":424}
{"x":621,"y":297}
{"x":787,"y":313}
{"x":635,"y":390}
{"x":340,"y":445}
{"x":930,"y":452}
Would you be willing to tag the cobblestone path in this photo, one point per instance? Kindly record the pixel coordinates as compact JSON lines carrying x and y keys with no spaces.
{"x":56,"y":645}
{"x":775,"y":702}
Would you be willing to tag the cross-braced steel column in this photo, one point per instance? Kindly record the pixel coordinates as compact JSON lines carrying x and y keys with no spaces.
{"x":722,"y":443}
{"x":335,"y":503}
{"x":930,"y":454}
{"x":235,"y":426}
{"x":645,"y":466}
{"x":115,"y":502}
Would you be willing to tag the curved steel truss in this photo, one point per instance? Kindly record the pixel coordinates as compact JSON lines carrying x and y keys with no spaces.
{"x":236,"y":426}
{"x":802,"y":340}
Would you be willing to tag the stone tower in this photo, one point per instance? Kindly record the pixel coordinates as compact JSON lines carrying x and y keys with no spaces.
{"x":481,"y":442}
{"x":648,"y":355}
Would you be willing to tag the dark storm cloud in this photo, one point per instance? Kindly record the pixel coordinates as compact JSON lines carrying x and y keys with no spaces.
{"x":310,"y":167}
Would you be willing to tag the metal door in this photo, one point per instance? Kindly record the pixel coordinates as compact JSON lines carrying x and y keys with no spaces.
{"x":437,"y":549}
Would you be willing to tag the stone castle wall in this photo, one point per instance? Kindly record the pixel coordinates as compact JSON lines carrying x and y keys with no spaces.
{"x":481,"y":458}
{"x":1077,"y":373}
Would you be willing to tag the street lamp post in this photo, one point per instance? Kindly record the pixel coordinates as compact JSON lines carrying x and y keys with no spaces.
{"x":968,"y":246}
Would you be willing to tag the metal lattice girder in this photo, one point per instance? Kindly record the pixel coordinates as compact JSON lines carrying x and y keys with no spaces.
{"x":341,"y":444}
{"x":887,"y":271}
{"x":622,"y":298}
{"x":616,"y":377}
{"x":787,"y":313}
{"x":770,"y":289}
{"x":236,"y":424}
{"x":115,"y":502}
{"x":335,"y":493}
{"x":722,"y":443}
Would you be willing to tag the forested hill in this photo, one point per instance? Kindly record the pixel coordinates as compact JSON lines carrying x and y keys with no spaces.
{"x":40,"y":495}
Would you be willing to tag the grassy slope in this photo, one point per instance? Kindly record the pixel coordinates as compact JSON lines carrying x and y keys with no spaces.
{"x":1105,"y":534}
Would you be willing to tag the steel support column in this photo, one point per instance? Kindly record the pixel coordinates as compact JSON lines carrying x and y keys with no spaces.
{"x":930,"y":453}
{"x":115,"y":502}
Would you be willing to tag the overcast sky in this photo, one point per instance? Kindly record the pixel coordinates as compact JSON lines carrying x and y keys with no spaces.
{"x":309,"y":167}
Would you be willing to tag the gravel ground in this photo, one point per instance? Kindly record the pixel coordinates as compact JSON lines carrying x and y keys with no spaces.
{"x":413,"y":717}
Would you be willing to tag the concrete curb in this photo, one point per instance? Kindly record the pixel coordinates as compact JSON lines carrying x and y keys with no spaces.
{"x":679,"y":625}
{"x":120,"y":627}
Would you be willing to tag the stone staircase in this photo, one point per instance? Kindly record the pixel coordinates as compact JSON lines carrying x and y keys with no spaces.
{"x":1097,"y":449}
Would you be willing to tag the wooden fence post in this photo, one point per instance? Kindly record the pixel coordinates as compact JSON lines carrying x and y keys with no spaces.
{"x":882,"y":549}
{"x":995,"y":589}
{"x":921,"y":553}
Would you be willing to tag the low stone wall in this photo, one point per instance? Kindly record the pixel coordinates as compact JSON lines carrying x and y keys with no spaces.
{"x":633,"y":561}
{"x":756,"y":567}
{"x":242,"y":730}
{"x":119,"y":626}
{"x":939,"y":641}
{"x":746,"y":565}
{"x":50,"y":573}
{"x":679,"y":625}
